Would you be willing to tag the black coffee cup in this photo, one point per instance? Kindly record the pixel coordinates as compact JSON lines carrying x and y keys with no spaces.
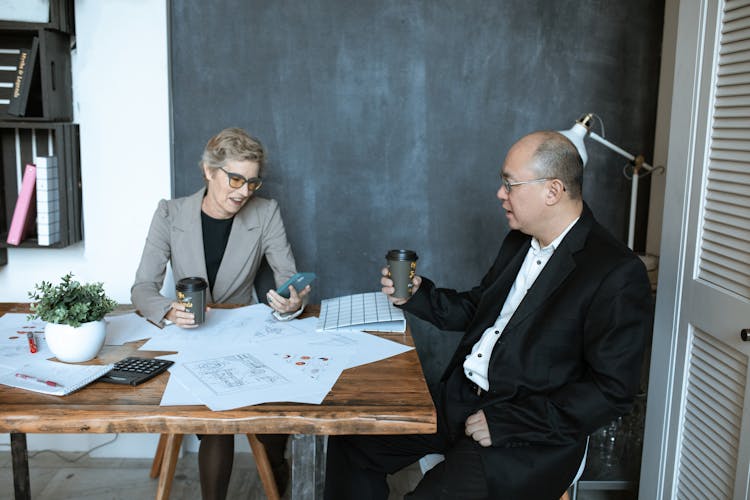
{"x":191,"y":292}
{"x":402,"y":266}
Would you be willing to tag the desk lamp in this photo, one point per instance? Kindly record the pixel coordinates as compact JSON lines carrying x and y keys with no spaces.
{"x":582,"y":129}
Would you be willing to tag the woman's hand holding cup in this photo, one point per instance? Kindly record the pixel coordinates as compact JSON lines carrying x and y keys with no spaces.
{"x":180,"y":317}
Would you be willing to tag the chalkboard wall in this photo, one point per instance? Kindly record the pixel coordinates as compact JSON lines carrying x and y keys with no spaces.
{"x":387,"y":122}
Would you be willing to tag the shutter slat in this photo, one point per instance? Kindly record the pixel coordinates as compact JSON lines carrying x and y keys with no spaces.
{"x":735,"y":100}
{"x":732,"y":123}
{"x":730,"y":187}
{"x":738,"y":63}
{"x":736,"y":111}
{"x":733,"y":145}
{"x":729,"y":133}
{"x":724,"y":218}
{"x":726,"y":155}
{"x":729,"y":166}
{"x":736,"y":10}
{"x":732,"y":90}
{"x":718,"y":276}
{"x":736,"y":23}
{"x":728,"y":198}
{"x":724,"y":230}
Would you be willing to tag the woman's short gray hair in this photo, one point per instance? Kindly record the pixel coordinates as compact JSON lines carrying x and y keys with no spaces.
{"x":233,"y":144}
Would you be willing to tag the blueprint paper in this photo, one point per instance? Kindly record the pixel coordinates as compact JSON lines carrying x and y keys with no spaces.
{"x":247,"y":325}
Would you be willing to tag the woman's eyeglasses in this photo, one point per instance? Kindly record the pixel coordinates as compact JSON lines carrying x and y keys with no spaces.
{"x":236,"y":181}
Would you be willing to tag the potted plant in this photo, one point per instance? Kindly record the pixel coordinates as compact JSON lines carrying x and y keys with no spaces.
{"x":74,"y":313}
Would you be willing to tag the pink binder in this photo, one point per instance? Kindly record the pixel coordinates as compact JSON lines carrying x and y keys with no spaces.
{"x":25,"y":211}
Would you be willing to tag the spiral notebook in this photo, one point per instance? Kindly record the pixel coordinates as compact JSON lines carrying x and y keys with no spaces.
{"x":369,"y":311}
{"x":51,"y":377}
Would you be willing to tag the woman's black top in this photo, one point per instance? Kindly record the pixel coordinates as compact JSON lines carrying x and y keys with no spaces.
{"x":215,"y":238}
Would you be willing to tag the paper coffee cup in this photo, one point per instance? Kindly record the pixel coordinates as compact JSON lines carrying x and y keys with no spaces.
{"x":191,"y":292}
{"x":402,"y":267}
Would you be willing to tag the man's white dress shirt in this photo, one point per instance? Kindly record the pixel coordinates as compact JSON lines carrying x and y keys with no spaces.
{"x":477,"y":363}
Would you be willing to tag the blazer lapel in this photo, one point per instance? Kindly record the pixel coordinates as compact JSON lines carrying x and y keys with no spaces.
{"x":494,"y":296}
{"x":188,"y":232}
{"x":243,"y":238}
{"x":559,"y":267}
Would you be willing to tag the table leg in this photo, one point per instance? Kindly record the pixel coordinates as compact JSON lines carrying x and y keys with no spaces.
{"x":20,"y":457}
{"x":308,"y":467}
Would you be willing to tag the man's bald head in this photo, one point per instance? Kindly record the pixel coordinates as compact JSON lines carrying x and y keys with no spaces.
{"x":555,"y":157}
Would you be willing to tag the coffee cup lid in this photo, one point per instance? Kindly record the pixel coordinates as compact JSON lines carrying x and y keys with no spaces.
{"x":191,"y":284}
{"x":401,"y":254}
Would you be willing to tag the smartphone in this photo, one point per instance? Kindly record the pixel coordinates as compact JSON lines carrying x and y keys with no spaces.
{"x":298,"y":281}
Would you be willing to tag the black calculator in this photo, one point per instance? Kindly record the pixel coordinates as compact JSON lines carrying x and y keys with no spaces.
{"x":134,"y":371}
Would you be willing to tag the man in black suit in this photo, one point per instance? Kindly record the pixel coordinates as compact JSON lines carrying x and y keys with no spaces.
{"x":552,"y":349}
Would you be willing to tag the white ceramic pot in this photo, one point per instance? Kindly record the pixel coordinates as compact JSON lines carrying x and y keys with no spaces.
{"x":74,"y":345}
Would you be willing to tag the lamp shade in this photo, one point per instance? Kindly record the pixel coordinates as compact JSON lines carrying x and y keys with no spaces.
{"x":575,"y":134}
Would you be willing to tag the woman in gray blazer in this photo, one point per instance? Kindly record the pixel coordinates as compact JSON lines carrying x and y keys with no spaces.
{"x":220,"y":233}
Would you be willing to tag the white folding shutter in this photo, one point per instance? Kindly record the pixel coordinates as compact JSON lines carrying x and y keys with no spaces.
{"x":725,"y":246}
{"x":714,"y":402}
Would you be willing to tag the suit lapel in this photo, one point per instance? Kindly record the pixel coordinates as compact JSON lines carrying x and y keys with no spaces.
{"x":494,"y":297}
{"x":559,"y":267}
{"x":189,"y":239}
{"x":243,"y":238}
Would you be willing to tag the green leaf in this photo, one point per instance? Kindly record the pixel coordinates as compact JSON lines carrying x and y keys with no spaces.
{"x":69,"y":302}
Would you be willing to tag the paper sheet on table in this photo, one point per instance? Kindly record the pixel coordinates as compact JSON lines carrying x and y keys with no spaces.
{"x":250,"y":324}
{"x":322,"y":364}
{"x":14,"y":343}
{"x":367,"y":348}
{"x":128,"y":327}
{"x":177,"y":394}
{"x":226,"y":379}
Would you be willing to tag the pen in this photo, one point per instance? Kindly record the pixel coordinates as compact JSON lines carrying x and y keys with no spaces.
{"x":31,"y":377}
{"x":32,"y":342}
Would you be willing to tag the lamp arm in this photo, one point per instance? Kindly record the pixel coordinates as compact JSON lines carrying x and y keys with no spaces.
{"x":638,"y":163}
{"x":618,"y":150}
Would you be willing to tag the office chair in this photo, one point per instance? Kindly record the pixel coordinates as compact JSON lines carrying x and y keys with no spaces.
{"x":167,"y":451}
{"x":581,"y":468}
{"x":427,"y":462}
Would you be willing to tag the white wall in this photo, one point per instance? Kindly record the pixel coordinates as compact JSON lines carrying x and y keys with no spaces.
{"x":121,"y":103}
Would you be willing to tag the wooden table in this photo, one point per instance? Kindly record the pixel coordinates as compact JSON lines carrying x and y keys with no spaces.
{"x":386,"y":397}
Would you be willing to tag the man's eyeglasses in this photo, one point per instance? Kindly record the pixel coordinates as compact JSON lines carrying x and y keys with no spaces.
{"x":509,"y":185}
{"x":236,"y":181}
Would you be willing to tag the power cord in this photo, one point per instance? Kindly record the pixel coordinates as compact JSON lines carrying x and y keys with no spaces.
{"x":627,"y":169}
{"x":64,"y":458}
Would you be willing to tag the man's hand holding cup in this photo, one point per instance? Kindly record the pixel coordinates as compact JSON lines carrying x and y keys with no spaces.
{"x":399,"y":278}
